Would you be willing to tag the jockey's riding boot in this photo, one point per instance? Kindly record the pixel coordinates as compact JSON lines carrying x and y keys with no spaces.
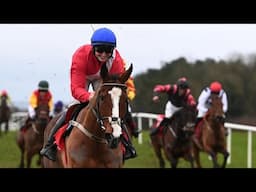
{"x":50,"y":148}
{"x":130,"y":151}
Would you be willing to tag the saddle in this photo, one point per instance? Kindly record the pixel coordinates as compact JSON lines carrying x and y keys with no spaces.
{"x":66,"y":129}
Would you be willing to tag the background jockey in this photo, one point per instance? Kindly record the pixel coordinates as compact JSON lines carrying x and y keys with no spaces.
{"x":204,"y":103}
{"x":58,"y":107}
{"x":4,"y":93}
{"x":41,"y":95}
{"x":178,"y":95}
{"x":85,"y":71}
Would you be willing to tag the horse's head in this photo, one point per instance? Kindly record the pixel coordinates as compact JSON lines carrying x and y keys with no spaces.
{"x":185,"y":121}
{"x":110,"y":104}
{"x":216,"y":110}
{"x":42,"y":115}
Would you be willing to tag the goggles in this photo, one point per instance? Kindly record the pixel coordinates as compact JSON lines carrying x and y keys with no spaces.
{"x":104,"y":48}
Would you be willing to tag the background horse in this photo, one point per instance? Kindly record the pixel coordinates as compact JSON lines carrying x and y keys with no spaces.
{"x":5,"y":114}
{"x":157,"y":142}
{"x":30,"y":140}
{"x":176,"y":140}
{"x":94,"y":141}
{"x":213,"y":137}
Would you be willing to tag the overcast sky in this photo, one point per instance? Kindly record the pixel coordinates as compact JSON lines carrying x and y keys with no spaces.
{"x":33,"y":52}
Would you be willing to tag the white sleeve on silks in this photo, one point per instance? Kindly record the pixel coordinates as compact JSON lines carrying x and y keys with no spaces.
{"x":31,"y":112}
{"x":202,"y":101}
{"x":225,"y":102}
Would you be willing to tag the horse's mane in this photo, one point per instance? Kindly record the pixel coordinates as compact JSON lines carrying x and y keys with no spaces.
{"x":181,"y":117}
{"x":185,"y":109}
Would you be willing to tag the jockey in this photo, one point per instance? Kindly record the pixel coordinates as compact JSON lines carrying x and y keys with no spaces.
{"x":178,"y":95}
{"x":204,"y":103}
{"x":4,"y":93}
{"x":85,"y":71}
{"x":38,"y":96}
{"x":58,"y":107}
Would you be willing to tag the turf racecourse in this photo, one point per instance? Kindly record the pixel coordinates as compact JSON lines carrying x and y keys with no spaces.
{"x":10,"y":154}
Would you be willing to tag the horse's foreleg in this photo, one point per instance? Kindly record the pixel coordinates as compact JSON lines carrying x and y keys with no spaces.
{"x":174,"y":162}
{"x":161,"y":159}
{"x":226,"y":155}
{"x":22,"y":159}
{"x":158,"y":153}
{"x":29,"y":159}
{"x":197,"y":157}
{"x":190,"y":158}
{"x":214,"y":159}
{"x":6,"y":127}
{"x":39,"y":161}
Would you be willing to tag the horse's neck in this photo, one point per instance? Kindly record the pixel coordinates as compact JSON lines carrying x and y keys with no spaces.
{"x":88,"y":119}
{"x":212,"y":121}
{"x":3,"y":101}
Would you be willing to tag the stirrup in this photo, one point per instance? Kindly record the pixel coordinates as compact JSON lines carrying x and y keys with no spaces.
{"x":49,"y":152}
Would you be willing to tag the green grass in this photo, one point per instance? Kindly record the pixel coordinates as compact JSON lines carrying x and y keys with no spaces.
{"x":10,"y":153}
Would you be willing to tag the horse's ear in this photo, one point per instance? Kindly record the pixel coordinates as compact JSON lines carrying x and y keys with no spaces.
{"x":125,"y":76}
{"x":104,"y":71}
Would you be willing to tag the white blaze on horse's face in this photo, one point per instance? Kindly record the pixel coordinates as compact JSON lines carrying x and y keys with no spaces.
{"x":115,"y":93}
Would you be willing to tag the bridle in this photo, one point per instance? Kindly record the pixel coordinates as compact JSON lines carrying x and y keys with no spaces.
{"x":100,"y":119}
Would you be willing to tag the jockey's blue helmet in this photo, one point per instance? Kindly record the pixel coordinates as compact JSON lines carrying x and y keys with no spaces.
{"x":103,"y":36}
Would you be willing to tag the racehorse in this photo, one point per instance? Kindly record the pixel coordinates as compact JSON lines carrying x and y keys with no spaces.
{"x":30,"y":140}
{"x":94,"y":141}
{"x":213,"y":137}
{"x":176,"y":139}
{"x":5,"y":114}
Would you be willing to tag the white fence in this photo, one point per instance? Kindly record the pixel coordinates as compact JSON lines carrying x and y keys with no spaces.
{"x":17,"y":120}
{"x":230,"y":126}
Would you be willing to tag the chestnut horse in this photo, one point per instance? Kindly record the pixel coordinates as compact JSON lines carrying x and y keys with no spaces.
{"x":94,"y":141}
{"x":5,"y":114}
{"x":30,"y":140}
{"x":213,"y":137}
{"x":176,"y":140}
